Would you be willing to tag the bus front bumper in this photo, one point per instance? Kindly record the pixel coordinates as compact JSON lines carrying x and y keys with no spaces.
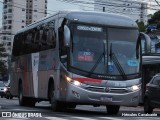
{"x":82,"y":96}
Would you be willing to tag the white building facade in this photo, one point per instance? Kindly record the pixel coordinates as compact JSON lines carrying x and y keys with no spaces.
{"x":136,"y":10}
{"x":16,"y":15}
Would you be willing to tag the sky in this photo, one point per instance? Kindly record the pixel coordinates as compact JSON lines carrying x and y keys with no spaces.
{"x":55,"y":5}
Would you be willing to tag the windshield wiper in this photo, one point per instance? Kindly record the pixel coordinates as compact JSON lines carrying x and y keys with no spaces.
{"x":117,"y":64}
{"x":95,"y":65}
{"x":98,"y":61}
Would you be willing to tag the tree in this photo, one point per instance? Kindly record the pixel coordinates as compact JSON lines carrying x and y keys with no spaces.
{"x":141,"y":26}
{"x":155,"y":19}
{"x":3,"y":67}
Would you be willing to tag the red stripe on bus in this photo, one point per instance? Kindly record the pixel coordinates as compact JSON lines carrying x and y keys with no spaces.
{"x":83,"y":80}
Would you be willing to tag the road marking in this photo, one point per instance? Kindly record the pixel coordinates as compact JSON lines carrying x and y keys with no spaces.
{"x":83,"y":118}
{"x":25,"y":110}
{"x":111,"y":118}
{"x":54,"y":118}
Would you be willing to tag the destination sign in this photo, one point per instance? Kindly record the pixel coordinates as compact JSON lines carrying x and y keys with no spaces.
{"x":89,"y":28}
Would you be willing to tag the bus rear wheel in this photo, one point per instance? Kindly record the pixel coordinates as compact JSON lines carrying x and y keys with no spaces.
{"x":112,"y":109}
{"x":22,"y":100}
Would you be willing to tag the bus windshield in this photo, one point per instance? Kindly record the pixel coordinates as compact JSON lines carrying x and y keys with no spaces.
{"x":102,"y":50}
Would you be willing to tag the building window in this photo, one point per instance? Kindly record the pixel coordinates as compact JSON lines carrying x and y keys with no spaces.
{"x":9,"y":21}
{"x":4,"y":27}
{"x":22,"y":26}
{"x":35,"y":10}
{"x":9,"y":44}
{"x":10,"y":27}
{"x":10,"y":10}
{"x":22,"y":21}
{"x":23,"y":9}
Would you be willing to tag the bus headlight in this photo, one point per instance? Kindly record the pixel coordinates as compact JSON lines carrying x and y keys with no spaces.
{"x":134,"y":88}
{"x":77,"y":83}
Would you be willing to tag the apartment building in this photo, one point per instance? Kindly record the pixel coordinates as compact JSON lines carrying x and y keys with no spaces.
{"x":16,"y":15}
{"x":137,"y":10}
{"x":0,"y":35}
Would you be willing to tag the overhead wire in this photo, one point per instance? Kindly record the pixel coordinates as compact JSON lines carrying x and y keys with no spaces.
{"x":104,"y":4}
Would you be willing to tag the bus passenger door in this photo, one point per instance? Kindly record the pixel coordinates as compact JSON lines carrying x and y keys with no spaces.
{"x":35,"y":63}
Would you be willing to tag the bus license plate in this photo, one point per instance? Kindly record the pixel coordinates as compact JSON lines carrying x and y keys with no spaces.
{"x":106,"y":98}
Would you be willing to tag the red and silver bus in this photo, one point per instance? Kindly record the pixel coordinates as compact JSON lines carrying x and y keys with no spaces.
{"x":78,"y":58}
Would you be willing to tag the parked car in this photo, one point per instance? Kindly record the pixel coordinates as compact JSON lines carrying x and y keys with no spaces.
{"x":152,"y":94}
{"x":3,"y":89}
{"x":8,"y":93}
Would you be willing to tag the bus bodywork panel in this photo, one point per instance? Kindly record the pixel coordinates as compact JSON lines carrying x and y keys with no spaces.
{"x":102,"y":19}
{"x":102,"y":92}
{"x":34,"y":71}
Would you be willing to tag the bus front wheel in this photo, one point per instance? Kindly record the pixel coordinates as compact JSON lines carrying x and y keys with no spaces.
{"x":55,"y":105}
{"x":112,"y":109}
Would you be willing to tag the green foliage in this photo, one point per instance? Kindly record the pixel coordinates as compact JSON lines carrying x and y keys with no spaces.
{"x":141,"y":26}
{"x":155,"y":19}
{"x":3,"y":68}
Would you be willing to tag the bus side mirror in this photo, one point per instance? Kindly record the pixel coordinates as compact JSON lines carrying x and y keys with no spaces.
{"x":147,"y":42}
{"x":138,"y":46}
{"x":67,"y":36}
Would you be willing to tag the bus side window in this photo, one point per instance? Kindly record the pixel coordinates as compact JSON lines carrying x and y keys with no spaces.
{"x":17,"y":48}
{"x":38,"y":35}
{"x":44,"y":36}
{"x":34,"y":43}
{"x":28,"y":42}
{"x":51,"y":37}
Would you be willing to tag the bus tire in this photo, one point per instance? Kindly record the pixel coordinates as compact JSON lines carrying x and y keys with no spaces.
{"x":112,"y":109}
{"x":30,"y":102}
{"x":70,"y":105}
{"x":22,"y":100}
{"x":55,"y":105}
{"x":11,"y":97}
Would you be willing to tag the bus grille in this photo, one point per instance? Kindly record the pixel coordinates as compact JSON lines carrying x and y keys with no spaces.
{"x":95,"y":89}
{"x":118,"y":90}
{"x":103,"y":89}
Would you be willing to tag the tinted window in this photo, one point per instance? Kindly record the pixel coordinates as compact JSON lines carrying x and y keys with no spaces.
{"x":1,"y":84}
{"x":156,"y":80}
{"x":17,"y":45}
{"x":40,"y":38}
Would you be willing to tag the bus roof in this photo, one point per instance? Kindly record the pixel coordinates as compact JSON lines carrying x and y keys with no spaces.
{"x":100,"y":18}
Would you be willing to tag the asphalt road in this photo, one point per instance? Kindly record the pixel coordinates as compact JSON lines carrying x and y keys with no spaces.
{"x":42,"y":111}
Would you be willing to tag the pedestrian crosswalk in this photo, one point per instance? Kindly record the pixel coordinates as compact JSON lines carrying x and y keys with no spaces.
{"x":85,"y":118}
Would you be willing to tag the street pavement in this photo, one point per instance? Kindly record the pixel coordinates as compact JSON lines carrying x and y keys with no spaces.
{"x":42,"y":111}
